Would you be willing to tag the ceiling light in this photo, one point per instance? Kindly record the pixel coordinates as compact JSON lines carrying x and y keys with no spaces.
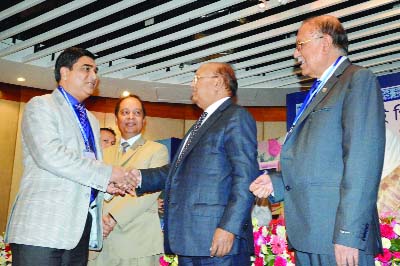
{"x":125,"y":94}
{"x":262,"y":5}
{"x":21,"y":79}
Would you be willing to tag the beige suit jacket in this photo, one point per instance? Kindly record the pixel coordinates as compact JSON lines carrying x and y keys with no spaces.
{"x":138,"y":231}
{"x":52,"y":203}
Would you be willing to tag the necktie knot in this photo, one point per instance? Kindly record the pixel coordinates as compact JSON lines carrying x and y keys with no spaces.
{"x":315,"y":85}
{"x":80,"y":107}
{"x":125,"y":145}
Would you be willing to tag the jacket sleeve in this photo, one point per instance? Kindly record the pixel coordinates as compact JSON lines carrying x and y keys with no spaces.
{"x":241,"y":149}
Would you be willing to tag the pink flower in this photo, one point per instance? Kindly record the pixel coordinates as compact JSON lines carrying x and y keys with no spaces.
{"x":385,"y":257}
{"x":278,"y":245}
{"x":163,"y":262}
{"x":396,"y":255}
{"x":257,"y":249}
{"x":387,"y":231}
{"x":274,"y":147}
{"x":279,"y":261}
{"x":259,"y":261}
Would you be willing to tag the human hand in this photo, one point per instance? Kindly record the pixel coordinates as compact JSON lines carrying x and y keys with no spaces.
{"x":114,"y":190}
{"x":108,"y":224}
{"x":160,"y":205}
{"x":262,"y":186}
{"x":123,"y":180}
{"x":346,"y":256}
{"x":222,"y":243}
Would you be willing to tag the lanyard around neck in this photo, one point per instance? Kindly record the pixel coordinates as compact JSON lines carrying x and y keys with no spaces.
{"x":83,"y":133}
{"x":313,"y":91}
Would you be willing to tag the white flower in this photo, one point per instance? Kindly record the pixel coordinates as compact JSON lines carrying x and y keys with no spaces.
{"x":378,"y":263}
{"x":264,"y":231}
{"x":396,"y":229}
{"x":281,"y":231}
{"x":386,"y":243}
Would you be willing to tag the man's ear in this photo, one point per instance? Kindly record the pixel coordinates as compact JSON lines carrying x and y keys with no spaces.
{"x":219,"y":84}
{"x":64,"y":71}
{"x":327,"y":42}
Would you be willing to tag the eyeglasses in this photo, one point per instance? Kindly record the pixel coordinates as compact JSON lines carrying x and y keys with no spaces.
{"x":197,"y":77}
{"x":299,"y":45}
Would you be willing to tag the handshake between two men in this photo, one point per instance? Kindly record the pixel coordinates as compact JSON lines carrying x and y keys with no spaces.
{"x":123,"y":181}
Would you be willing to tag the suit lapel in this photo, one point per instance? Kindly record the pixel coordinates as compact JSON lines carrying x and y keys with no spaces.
{"x":68,"y":112}
{"x":321,"y":94}
{"x":204,"y":128}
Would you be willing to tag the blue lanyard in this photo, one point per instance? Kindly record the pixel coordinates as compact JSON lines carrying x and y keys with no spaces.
{"x":83,"y":133}
{"x":315,"y":88}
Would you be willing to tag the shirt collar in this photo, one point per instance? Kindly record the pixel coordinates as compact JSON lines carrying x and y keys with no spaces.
{"x":211,"y":109}
{"x":131,"y":140}
{"x":71,"y":98}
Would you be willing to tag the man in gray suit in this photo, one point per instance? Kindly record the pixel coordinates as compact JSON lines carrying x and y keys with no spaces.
{"x":57,"y":212}
{"x":332,"y":158}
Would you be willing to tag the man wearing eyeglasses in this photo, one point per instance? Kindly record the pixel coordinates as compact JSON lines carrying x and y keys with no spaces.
{"x":332,"y":158}
{"x":207,"y":199}
{"x":131,"y":225}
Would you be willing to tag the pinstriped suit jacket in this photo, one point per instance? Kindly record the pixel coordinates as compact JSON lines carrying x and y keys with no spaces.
{"x":52,"y":204}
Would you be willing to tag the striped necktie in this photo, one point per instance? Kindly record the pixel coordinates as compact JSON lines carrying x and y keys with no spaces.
{"x":125,"y":145}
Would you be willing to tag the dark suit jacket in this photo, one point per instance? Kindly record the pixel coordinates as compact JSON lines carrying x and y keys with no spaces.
{"x":210,"y":187}
{"x":331,"y":166}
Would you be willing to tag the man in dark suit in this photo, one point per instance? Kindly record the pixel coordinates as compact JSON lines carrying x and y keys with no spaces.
{"x":332,"y":158}
{"x":207,"y":198}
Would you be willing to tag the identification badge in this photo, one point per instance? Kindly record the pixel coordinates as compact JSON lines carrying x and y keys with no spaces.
{"x":89,"y":154}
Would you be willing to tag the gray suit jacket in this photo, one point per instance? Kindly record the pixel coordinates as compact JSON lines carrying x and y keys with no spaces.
{"x":52,"y":204}
{"x":331,"y":166}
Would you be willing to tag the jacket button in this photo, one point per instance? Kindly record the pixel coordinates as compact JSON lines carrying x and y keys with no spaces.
{"x":288,"y":188}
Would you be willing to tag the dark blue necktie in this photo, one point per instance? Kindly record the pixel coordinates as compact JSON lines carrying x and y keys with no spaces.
{"x":83,"y":119}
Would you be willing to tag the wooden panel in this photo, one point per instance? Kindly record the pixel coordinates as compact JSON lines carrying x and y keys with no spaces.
{"x":153,"y":109}
{"x":9,"y":120}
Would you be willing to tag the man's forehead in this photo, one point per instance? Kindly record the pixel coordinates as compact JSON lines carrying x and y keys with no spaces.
{"x":85,"y":60}
{"x":131,"y":102}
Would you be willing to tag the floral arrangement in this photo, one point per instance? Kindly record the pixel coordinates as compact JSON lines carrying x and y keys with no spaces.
{"x":270,"y":244}
{"x":5,"y":252}
{"x":169,"y":260}
{"x":390,"y":230}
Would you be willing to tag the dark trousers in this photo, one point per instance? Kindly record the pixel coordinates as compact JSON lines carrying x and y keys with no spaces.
{"x":310,"y":259}
{"x":27,"y":255}
{"x":232,"y":260}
